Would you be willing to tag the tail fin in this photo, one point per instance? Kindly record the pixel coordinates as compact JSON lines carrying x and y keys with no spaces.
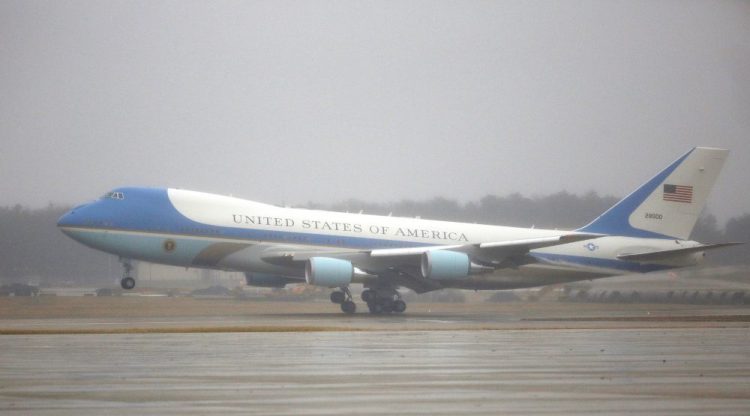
{"x":669,"y":204}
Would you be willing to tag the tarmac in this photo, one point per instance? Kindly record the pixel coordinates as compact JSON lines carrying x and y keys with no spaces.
{"x":184,"y":356}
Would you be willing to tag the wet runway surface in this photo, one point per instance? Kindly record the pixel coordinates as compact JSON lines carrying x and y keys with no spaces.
{"x":477,"y":359}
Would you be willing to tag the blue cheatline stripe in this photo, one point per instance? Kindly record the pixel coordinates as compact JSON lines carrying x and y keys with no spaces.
{"x":616,"y":220}
{"x":619,"y":265}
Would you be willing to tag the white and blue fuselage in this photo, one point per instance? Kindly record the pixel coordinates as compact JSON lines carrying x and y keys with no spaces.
{"x":194,"y":229}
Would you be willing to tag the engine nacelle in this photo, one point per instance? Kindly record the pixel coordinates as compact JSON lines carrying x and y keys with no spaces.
{"x":445,"y":265}
{"x":267,"y":280}
{"x":328,"y":272}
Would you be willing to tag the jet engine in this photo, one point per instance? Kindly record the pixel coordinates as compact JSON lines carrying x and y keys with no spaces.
{"x":267,"y":280}
{"x":445,"y":265}
{"x":328,"y":272}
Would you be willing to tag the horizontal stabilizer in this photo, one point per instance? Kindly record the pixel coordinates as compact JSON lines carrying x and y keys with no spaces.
{"x":666,"y":254}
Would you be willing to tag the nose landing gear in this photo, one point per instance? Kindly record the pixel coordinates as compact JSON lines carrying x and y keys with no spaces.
{"x":127,"y":282}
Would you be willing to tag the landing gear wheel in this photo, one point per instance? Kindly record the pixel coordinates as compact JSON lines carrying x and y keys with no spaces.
{"x":127,"y":283}
{"x":386,"y":305}
{"x":368,"y":295}
{"x":338,"y":297}
{"x":348,"y":307}
{"x":375,"y":308}
{"x":399,"y":306}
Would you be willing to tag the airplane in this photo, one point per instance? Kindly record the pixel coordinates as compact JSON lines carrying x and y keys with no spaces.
{"x":646,"y":231}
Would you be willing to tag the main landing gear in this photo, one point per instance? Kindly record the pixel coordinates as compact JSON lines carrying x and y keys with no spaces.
{"x":383,"y":300}
{"x":379,"y":300}
{"x":344,"y":298}
{"x":127,"y":282}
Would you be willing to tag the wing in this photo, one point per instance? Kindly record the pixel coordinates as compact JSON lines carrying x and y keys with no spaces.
{"x":492,"y":253}
{"x":401,"y":266}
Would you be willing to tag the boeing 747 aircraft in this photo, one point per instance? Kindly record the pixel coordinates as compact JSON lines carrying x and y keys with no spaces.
{"x":646,"y":231}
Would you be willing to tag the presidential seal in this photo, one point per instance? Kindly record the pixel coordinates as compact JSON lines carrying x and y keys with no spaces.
{"x":169,"y":246}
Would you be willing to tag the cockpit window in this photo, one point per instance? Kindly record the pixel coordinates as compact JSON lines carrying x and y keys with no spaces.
{"x":114,"y":195}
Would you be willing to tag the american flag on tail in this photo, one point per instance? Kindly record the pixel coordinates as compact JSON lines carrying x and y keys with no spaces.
{"x":678,"y":193}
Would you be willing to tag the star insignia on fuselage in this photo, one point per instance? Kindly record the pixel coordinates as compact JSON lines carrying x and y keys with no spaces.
{"x":591,"y":246}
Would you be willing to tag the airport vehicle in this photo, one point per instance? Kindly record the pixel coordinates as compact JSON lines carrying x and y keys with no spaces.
{"x":646,"y":231}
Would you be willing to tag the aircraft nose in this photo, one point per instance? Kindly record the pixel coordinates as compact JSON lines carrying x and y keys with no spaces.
{"x":70,"y":218}
{"x":66,"y":220}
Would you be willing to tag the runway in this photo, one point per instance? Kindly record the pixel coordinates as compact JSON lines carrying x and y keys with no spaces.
{"x":544,"y":358}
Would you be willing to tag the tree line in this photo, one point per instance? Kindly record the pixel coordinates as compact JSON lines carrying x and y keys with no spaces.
{"x":31,"y":246}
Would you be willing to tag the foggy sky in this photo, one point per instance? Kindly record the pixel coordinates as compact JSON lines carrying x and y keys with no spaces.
{"x":290,"y":102}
